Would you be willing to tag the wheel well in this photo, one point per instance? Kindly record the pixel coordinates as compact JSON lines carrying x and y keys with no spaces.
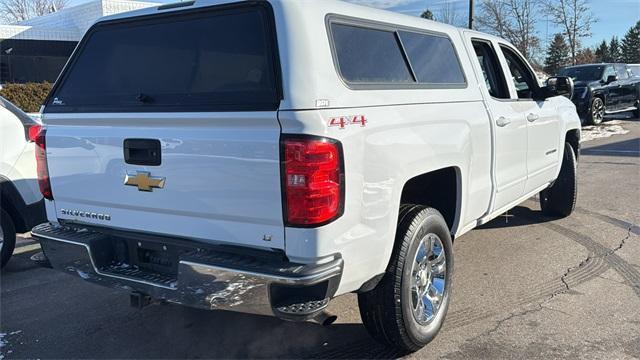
{"x":601,"y":97}
{"x":7,"y":203}
{"x":437,"y":189}
{"x":573,"y":138}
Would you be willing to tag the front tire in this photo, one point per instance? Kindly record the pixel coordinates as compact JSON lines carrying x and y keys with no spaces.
{"x":596,"y":112}
{"x":560,"y":199}
{"x":407,"y":308}
{"x":7,"y":238}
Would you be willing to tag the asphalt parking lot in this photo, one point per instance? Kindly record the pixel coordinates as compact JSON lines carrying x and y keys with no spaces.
{"x":526,"y":286}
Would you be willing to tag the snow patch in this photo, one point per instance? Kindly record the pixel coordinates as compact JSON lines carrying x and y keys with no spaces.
{"x":83,"y":274}
{"x":605,"y":130}
{"x":4,"y":341}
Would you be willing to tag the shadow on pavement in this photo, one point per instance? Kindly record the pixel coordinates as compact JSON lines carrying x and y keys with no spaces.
{"x":518,"y":216}
{"x":88,"y":321}
{"x":627,"y":148}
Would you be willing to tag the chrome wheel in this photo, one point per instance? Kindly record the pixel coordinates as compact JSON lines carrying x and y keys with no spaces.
{"x":597,"y":110}
{"x":428,"y":277}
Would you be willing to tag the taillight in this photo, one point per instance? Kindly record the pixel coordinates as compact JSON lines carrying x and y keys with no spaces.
{"x":41,"y":163}
{"x":313,"y":180}
{"x":32,"y":132}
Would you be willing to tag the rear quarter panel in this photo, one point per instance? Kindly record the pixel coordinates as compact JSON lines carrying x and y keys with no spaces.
{"x":396,"y":144}
{"x":407,"y":133}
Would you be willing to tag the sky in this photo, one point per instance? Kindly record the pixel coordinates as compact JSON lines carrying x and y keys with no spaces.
{"x":615,"y":16}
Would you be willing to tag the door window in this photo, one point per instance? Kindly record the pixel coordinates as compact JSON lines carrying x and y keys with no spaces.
{"x":493,"y":75}
{"x":622,"y":72}
{"x":609,"y":71}
{"x":522,"y":77}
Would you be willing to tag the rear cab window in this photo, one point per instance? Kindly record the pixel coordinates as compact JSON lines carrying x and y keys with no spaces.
{"x":221,"y":58}
{"x":368,"y":55}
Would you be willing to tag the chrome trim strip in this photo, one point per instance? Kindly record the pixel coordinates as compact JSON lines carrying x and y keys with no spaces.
{"x":288,"y":280}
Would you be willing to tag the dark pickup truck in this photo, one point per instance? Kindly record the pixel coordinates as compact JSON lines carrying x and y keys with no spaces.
{"x":603,"y":89}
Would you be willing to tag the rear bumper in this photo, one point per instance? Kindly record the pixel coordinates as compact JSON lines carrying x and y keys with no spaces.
{"x":211,"y":278}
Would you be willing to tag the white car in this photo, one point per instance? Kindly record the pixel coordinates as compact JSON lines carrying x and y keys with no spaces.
{"x":268,"y":156}
{"x":21,"y":204}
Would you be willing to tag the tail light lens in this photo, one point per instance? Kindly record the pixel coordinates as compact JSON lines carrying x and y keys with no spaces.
{"x":41,"y":162}
{"x":313,"y":181}
{"x":32,"y":132}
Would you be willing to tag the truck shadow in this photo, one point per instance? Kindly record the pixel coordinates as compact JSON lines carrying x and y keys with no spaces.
{"x":625,"y":148}
{"x":518,"y":216}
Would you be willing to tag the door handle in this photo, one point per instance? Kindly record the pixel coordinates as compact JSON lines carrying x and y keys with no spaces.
{"x":142,"y":152}
{"x":503,"y":121}
{"x":533,"y":117}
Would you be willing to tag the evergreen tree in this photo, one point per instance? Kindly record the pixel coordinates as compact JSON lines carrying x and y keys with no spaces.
{"x":631,"y":45}
{"x":585,"y":56}
{"x":614,"y":50}
{"x":602,"y":52}
{"x":427,"y":14}
{"x":557,"y":55}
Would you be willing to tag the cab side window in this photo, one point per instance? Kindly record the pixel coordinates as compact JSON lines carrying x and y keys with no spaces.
{"x":493,"y":75}
{"x":523,"y":79}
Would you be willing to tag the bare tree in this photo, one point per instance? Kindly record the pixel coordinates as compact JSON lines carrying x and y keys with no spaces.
{"x":448,"y":14}
{"x":493,"y":17}
{"x":12,"y":11}
{"x":575,"y":18}
{"x":514,"y":20}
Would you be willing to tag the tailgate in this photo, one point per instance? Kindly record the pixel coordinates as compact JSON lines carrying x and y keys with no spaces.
{"x":168,"y":124}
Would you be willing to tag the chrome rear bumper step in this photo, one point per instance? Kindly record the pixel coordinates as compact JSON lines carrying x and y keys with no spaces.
{"x":204,"y":277}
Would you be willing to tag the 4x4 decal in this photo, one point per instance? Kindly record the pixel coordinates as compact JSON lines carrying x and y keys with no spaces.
{"x":344,"y":121}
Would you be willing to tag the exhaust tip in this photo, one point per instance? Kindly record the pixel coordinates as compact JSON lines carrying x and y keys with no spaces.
{"x":324,"y":318}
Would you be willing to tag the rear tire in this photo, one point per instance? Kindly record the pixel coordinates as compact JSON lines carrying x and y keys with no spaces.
{"x":7,"y":238}
{"x":596,"y":112}
{"x":407,"y":308}
{"x":560,"y":199}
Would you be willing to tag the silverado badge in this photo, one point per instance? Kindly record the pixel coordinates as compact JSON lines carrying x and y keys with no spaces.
{"x":144,"y":181}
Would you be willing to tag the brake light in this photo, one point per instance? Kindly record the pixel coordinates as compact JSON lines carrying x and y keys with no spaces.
{"x":32,"y":132}
{"x":313,"y":181}
{"x":41,"y":163}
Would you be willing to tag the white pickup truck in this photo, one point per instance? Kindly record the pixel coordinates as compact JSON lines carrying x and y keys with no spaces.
{"x":268,"y":156}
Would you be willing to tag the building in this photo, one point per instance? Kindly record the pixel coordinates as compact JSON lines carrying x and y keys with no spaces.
{"x":35,"y":50}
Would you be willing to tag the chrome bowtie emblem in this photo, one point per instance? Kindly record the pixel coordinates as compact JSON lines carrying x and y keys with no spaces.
{"x":144,"y":181}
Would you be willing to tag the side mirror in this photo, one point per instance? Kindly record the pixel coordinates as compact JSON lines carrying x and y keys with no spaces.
{"x":612,"y":78}
{"x":559,"y":86}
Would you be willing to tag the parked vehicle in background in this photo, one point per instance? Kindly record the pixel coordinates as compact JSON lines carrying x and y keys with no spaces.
{"x":291,"y":152}
{"x":602,"y":89}
{"x":21,"y":205}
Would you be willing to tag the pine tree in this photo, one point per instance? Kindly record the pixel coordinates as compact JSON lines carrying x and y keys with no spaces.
{"x":557,"y":55}
{"x":427,"y":14}
{"x":631,"y":45}
{"x":614,"y":50}
{"x":602,"y":52}
{"x":585,"y":56}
